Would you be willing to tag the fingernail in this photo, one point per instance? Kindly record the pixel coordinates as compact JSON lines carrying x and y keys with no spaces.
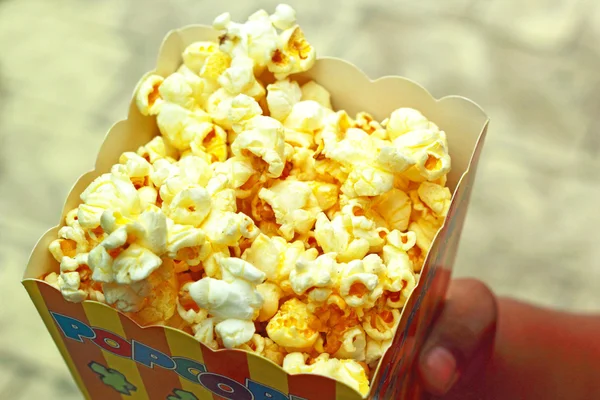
{"x":441,"y":366}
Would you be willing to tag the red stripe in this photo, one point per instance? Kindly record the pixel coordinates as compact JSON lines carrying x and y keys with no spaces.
{"x":159,"y":381}
{"x":81,"y":353}
{"x":313,"y":387}
{"x":230,"y":363}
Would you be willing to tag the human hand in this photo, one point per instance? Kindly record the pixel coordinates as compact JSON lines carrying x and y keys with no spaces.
{"x":461,"y":341}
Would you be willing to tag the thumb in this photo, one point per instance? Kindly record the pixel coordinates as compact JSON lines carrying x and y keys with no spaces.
{"x":462,"y":338}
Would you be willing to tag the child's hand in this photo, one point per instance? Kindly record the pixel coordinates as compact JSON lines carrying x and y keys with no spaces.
{"x":462,"y":339}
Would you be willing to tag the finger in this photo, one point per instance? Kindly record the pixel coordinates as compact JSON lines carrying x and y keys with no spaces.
{"x":462,"y":337}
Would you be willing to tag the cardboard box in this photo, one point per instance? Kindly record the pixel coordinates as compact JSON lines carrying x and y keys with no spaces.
{"x":111,"y":357}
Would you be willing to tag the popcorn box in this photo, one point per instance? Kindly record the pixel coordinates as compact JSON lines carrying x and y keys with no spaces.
{"x":111,"y":357}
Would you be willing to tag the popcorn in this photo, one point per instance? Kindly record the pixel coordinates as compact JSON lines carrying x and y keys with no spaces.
{"x":354,"y":344}
{"x":147,"y":97}
{"x":294,"y":205}
{"x":274,"y":256}
{"x":262,"y":142}
{"x":291,"y":326}
{"x":271,"y":294}
{"x":234,"y":332}
{"x":259,"y":218}
{"x":281,"y":97}
{"x":179,"y":125}
{"x":295,"y":54}
{"x":233,"y":298}
{"x":156,"y":149}
{"x":404,"y":120}
{"x":311,"y":90}
{"x":347,"y":371}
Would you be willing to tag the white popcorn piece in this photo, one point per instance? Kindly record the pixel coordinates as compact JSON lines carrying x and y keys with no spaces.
{"x":311,"y":90}
{"x":173,"y":178}
{"x":281,"y":97}
{"x":156,"y":149}
{"x":428,"y":151}
{"x":109,"y":191}
{"x":333,"y":237}
{"x":262,"y":142}
{"x":195,"y":54}
{"x":179,"y":125}
{"x":239,"y":78}
{"x":52,"y":280}
{"x":227,"y":227}
{"x":137,"y":168}
{"x":358,"y":285}
{"x":204,"y":332}
{"x":237,"y":171}
{"x":148,"y":196}
{"x":69,"y":284}
{"x":354,"y":344}
{"x":375,"y":350}
{"x":318,"y":273}
{"x":294,"y":54}
{"x":306,"y":116}
{"x":349,"y":372}
{"x":367,"y":181}
{"x":191,"y":206}
{"x":126,"y":298}
{"x":291,"y":326}
{"x":147,"y":98}
{"x":243,"y":108}
{"x":274,"y":256}
{"x":218,"y":106}
{"x":191,"y":316}
{"x":404,"y":120}
{"x":183,"y":90}
{"x":284,"y":17}
{"x":235,"y":295}
{"x":294,"y":205}
{"x":235,"y":332}
{"x":134,"y":264}
{"x":186,"y":243}
{"x":271,"y":294}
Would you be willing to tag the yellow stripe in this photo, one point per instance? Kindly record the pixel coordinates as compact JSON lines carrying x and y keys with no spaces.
{"x":344,"y":392}
{"x":106,"y":318}
{"x":267,"y":373}
{"x":40,"y":304}
{"x":183,"y":345}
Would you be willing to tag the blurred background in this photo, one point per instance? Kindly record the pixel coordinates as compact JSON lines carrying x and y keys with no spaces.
{"x":68,"y":67}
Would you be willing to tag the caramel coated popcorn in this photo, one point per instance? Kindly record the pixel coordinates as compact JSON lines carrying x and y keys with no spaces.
{"x":262,"y":218}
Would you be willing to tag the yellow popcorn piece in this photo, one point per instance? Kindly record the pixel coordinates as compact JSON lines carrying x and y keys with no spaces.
{"x":263,"y":143}
{"x":326,"y":194}
{"x":381,"y":325}
{"x":271,"y":294}
{"x":160,"y":305}
{"x":281,"y":97}
{"x":148,"y":98}
{"x":436,"y":197}
{"x":195,"y":54}
{"x":311,"y":90}
{"x":274,"y":256}
{"x":404,"y":120}
{"x":156,"y":149}
{"x":137,"y":168}
{"x":349,"y":372}
{"x":294,"y":205}
{"x":294,"y":55}
{"x":395,"y":208}
{"x":354,"y":344}
{"x":367,"y":123}
{"x":148,"y":196}
{"x":291,"y":326}
{"x":358,"y":284}
{"x":214,"y":65}
{"x":179,"y":125}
